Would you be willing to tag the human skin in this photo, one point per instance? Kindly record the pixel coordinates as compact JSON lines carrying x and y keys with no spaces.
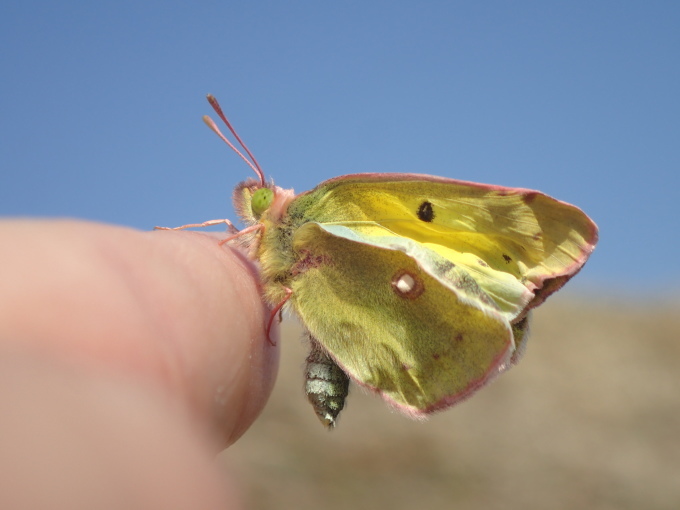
{"x":128,"y":360}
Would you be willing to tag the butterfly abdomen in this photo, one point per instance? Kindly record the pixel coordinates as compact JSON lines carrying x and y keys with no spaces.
{"x":326,"y":384}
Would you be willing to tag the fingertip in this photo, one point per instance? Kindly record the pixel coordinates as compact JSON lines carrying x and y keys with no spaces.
{"x":171,"y":309}
{"x":231,"y":365}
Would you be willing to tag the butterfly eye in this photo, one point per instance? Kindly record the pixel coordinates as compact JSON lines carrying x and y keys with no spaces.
{"x":261,"y":200}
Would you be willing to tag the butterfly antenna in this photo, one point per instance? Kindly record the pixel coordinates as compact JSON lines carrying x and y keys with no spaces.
{"x":211,"y":124}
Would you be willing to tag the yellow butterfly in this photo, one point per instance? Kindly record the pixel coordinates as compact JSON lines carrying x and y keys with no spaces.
{"x":416,"y":287}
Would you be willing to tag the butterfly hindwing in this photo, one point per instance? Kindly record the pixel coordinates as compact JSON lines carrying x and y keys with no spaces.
{"x":422,"y":345}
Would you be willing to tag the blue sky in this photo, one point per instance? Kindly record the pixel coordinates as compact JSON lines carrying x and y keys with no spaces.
{"x":101,"y":105}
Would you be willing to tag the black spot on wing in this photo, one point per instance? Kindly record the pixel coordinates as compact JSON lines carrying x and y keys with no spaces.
{"x":425,"y":211}
{"x":507,"y":258}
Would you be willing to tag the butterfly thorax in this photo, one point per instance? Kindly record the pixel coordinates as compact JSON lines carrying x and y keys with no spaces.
{"x":271,"y":245}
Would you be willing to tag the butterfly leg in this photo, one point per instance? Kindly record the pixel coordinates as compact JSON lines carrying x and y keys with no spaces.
{"x":209,"y":223}
{"x":520,"y":332}
{"x":326,"y":384}
{"x":275,"y":311}
{"x":239,"y":233}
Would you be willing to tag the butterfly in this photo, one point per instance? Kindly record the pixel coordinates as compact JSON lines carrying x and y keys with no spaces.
{"x":419,"y":288}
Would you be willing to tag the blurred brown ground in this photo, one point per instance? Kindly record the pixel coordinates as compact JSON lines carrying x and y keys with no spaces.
{"x":590,"y":418}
